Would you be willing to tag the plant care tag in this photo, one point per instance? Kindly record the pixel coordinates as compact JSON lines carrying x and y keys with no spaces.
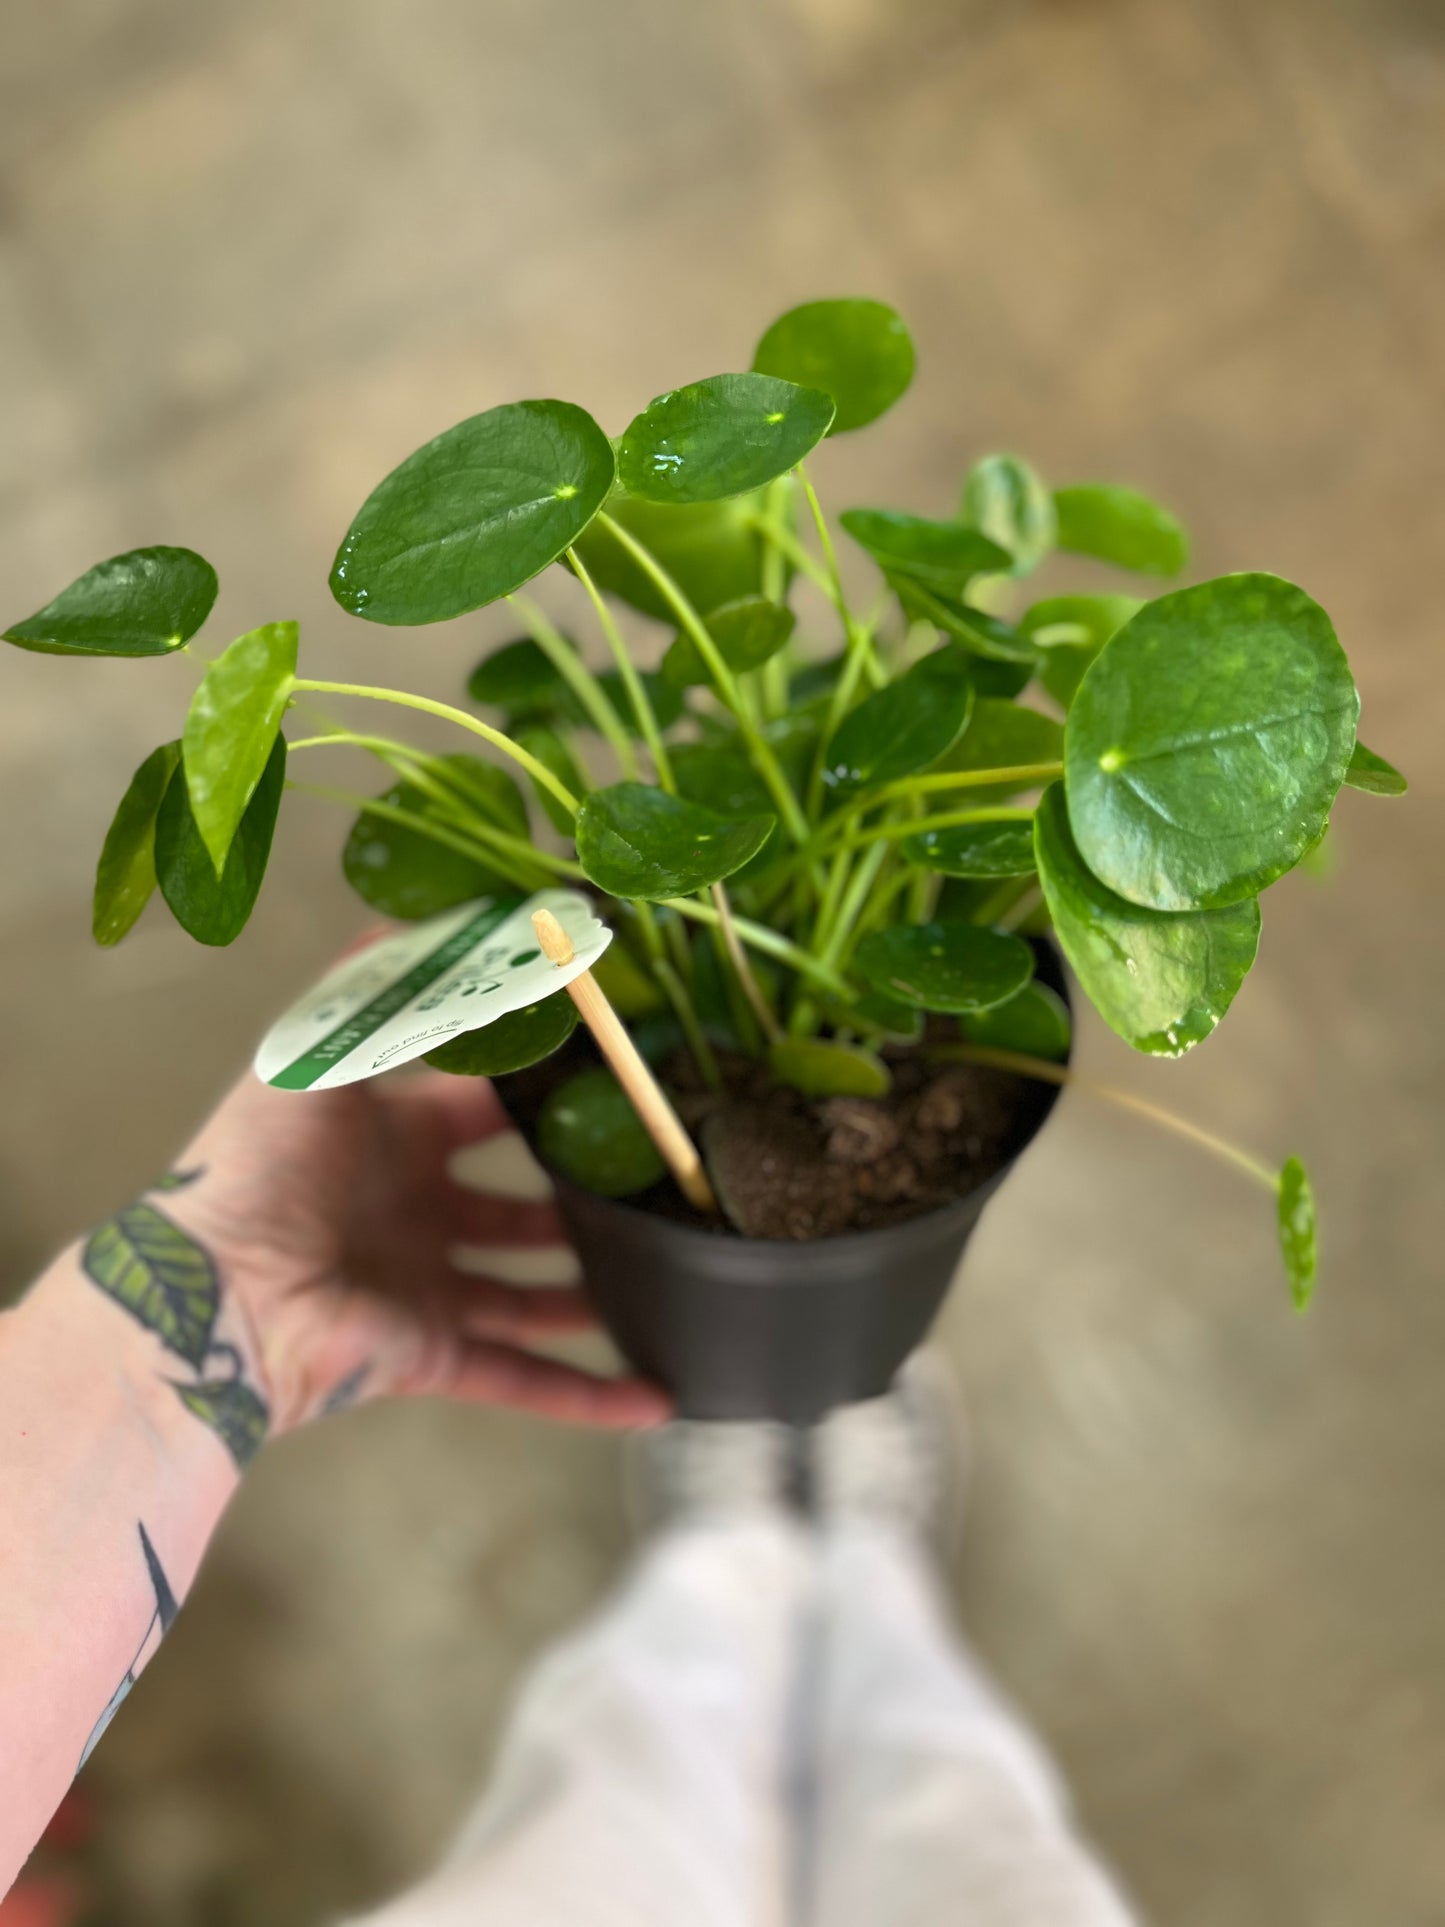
{"x":407,"y":993}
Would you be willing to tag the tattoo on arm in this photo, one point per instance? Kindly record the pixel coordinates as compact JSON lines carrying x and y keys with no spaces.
{"x":169,"y":1283}
{"x":345,"y":1391}
{"x":157,"y":1626}
{"x":178,"y":1180}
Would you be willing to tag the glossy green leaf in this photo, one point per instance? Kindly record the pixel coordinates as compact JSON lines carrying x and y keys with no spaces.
{"x":821,"y":1069}
{"x":1208,"y":742}
{"x":511,"y":1042}
{"x":235,"y":1413}
{"x":748,"y":633}
{"x":1003,"y":735}
{"x":126,"y":873}
{"x":669,"y":703}
{"x":945,"y":966}
{"x":983,"y":635}
{"x":1162,"y":980}
{"x":720,"y":777}
{"x":231,"y":726}
{"x":1002,"y":680}
{"x":710,"y":549}
{"x":724,"y":436}
{"x":145,"y":603}
{"x":159,"y":1274}
{"x":553,"y":754}
{"x":215,"y":910}
{"x":857,"y":351}
{"x":589,"y":1132}
{"x":903,"y":727}
{"x":1004,"y":497}
{"x":941,"y":556}
{"x":635,"y":841}
{"x":1003,"y":848}
{"x":1369,"y":772}
{"x":403,"y":873}
{"x":1298,"y":1237}
{"x":520,"y":678}
{"x":1122,"y":526}
{"x":474,"y":513}
{"x":1035,"y":1022}
{"x":899,"y":1022}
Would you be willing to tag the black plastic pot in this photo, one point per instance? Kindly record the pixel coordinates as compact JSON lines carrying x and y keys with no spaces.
{"x":761,"y":1328}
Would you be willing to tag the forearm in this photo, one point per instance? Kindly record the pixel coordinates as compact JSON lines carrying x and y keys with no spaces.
{"x":110,"y":1486}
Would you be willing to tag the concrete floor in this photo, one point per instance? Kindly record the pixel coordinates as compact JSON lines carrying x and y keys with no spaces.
{"x":249,"y":256}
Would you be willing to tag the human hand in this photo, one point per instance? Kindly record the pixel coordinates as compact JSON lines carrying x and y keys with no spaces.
{"x":332,"y":1221}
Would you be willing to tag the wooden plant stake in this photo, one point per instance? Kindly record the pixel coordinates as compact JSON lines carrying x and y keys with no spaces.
{"x":662,"y":1122}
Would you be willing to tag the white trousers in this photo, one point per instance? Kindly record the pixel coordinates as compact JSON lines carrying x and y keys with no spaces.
{"x":765,"y":1727}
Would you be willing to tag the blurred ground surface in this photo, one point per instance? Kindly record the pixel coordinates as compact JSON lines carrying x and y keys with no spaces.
{"x":251,"y":255}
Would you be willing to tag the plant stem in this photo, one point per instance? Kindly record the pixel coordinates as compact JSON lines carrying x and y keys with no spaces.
{"x":1040,"y":1067}
{"x":579,"y":679}
{"x":759,"y":749}
{"x":787,"y":545}
{"x":757,"y":936}
{"x":915,"y":826}
{"x":636,"y":689}
{"x":536,"y":861}
{"x":858,"y":646}
{"x":687,"y":1016}
{"x":752,"y":989}
{"x":864,"y":877}
{"x":496,"y":737}
{"x":1022,"y":775}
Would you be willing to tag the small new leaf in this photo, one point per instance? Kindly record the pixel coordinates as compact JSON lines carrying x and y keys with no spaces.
{"x":638,"y":842}
{"x":215,"y":910}
{"x":147,"y":602}
{"x":1006,"y":499}
{"x":857,"y":351}
{"x":126,"y":873}
{"x":721,"y":437}
{"x":1369,"y":772}
{"x":231,"y":728}
{"x":1298,"y":1238}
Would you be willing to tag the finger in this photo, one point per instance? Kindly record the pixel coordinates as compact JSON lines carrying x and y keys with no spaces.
{"x":478,"y":1218}
{"x":495,"y":1374}
{"x":488,"y":1308}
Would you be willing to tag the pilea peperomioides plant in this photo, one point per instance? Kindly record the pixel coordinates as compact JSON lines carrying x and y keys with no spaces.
{"x":826,"y":859}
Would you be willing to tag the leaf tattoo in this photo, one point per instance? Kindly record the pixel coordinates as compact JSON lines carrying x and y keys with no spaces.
{"x":169,"y":1283}
{"x":178,"y":1180}
{"x":237,"y":1415}
{"x":161,"y":1276}
{"x":161,"y":1620}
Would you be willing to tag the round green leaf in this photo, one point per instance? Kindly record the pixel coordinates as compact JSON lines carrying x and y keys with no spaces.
{"x":215,"y":909}
{"x":668,"y":701}
{"x":945,"y":966}
{"x":145,"y":603}
{"x":553,"y":754}
{"x":126,"y":873}
{"x":748,"y":633}
{"x":821,"y":1069}
{"x":903,"y":727}
{"x":231,"y":726}
{"x":1122,"y":526}
{"x":635,"y":841}
{"x":510,"y":1042}
{"x":1161,"y":980}
{"x":941,"y":556}
{"x":474,"y":514}
{"x":520,"y":678}
{"x":720,"y":437}
{"x":403,"y":873}
{"x":710,"y":549}
{"x":1004,"y":735}
{"x":1005,"y":498}
{"x":1297,"y":1231}
{"x":857,"y":351}
{"x":1372,"y":773}
{"x":589,"y":1132}
{"x":1001,"y":848}
{"x":1208,"y":742}
{"x":1035,"y":1022}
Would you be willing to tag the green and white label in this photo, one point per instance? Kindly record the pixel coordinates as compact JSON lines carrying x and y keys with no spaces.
{"x":407,"y":993}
